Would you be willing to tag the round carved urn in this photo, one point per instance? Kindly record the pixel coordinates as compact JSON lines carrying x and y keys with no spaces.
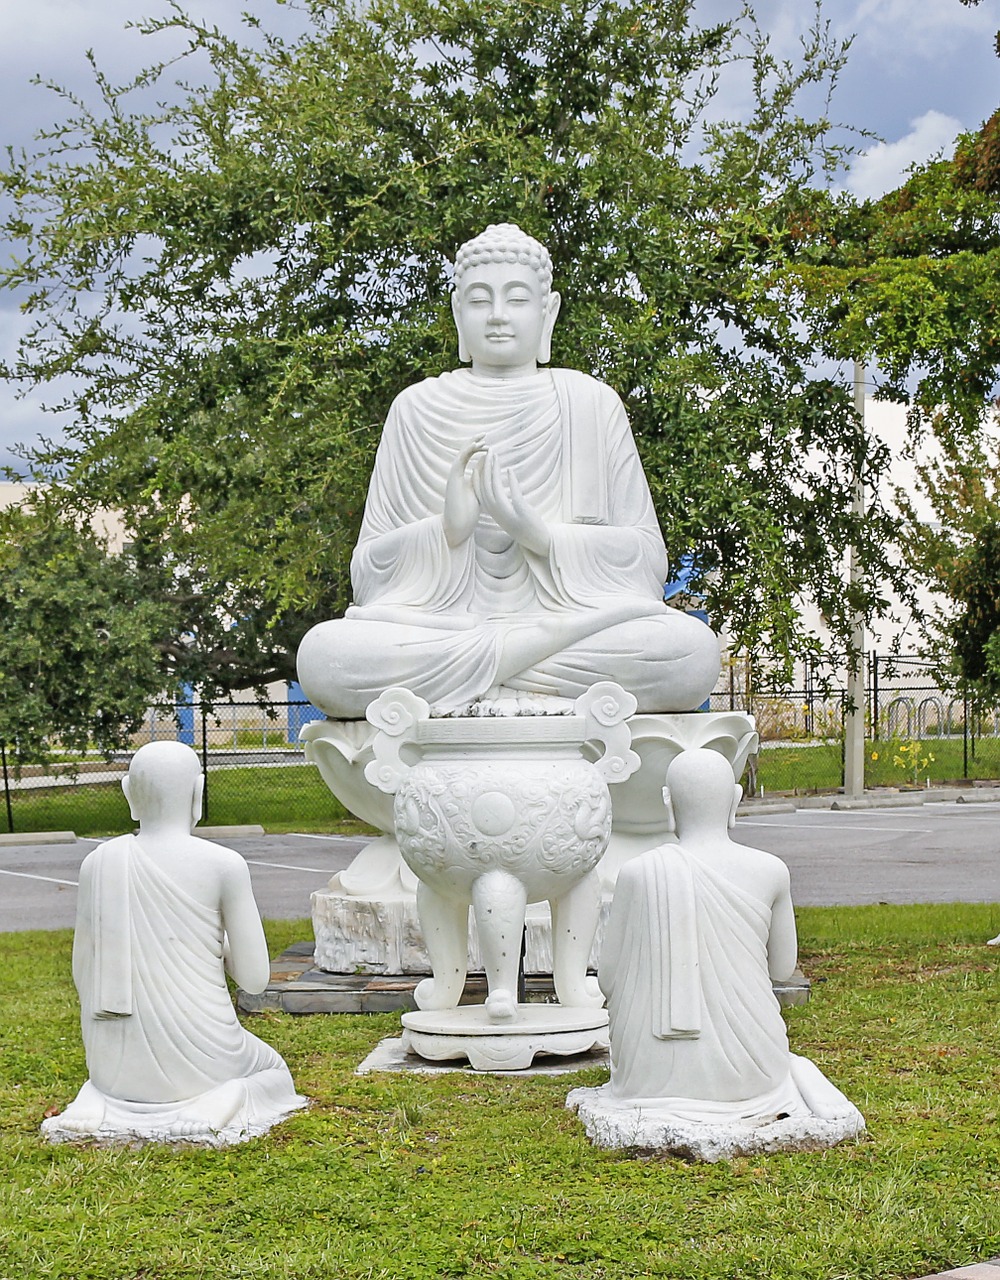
{"x":511,"y":795}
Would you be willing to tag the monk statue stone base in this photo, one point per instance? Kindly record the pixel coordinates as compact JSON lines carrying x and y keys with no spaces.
{"x":162,"y":917}
{"x":699,"y":929}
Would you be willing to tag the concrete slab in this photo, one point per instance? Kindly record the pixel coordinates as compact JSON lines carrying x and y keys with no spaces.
{"x":750,"y":807}
{"x":389,"y":1055}
{"x":297,"y":986}
{"x":37,"y":837}
{"x":229,"y":833}
{"x":976,"y":1271}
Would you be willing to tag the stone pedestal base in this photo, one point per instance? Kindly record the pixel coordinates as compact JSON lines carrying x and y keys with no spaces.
{"x":623,"y":1126}
{"x":467,"y":1032}
{"x":382,"y":935}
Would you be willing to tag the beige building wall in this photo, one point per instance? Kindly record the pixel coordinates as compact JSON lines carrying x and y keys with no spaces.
{"x":107,"y":524}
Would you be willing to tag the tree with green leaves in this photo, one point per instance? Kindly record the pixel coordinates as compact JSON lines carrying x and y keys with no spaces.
{"x":238,"y":283}
{"x":81,"y":636}
{"x":975,"y":633}
{"x":911,"y":284}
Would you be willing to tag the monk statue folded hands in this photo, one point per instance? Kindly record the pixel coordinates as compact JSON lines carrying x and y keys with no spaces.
{"x":509,"y":550}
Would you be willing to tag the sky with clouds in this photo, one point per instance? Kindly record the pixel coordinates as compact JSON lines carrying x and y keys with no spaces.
{"x":919,"y":72}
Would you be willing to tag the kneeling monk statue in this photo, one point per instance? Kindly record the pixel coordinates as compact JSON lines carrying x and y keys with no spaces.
{"x":161,"y":917}
{"x":509,"y":553}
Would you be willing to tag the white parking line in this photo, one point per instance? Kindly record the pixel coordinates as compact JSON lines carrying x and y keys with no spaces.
{"x":26,"y":875}
{"x":309,"y":835}
{"x":830,"y":826}
{"x":289,"y":866}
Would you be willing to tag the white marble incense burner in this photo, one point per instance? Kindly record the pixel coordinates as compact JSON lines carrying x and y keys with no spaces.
{"x":494,"y":813}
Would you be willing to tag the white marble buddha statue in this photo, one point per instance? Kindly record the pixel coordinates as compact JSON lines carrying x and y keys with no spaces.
{"x":509,"y":550}
{"x":161,"y":918}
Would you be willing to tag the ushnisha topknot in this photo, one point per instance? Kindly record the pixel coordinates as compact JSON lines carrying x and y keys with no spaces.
{"x":505,"y":242}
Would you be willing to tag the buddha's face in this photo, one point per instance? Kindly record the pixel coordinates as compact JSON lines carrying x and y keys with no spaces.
{"x":504,"y":321}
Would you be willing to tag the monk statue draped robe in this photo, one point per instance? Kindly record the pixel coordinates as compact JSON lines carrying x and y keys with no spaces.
{"x":698,"y":930}
{"x":509,"y":549}
{"x":161,"y":917}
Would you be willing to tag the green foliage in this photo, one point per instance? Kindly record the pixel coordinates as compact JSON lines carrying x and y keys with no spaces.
{"x":419,"y":1177}
{"x":240,"y":283}
{"x":78,"y":636}
{"x":911,"y":282}
{"x":975,"y":630}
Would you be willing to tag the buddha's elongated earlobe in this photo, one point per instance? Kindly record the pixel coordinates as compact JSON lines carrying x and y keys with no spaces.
{"x":737,"y":797}
{"x":456,"y":311}
{"x":127,"y":789}
{"x":668,"y":804}
{"x":548,"y":324}
{"x":196,"y":800}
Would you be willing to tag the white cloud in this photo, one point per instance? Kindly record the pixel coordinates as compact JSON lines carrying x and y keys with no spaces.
{"x":883,"y":167}
{"x":926,"y":28}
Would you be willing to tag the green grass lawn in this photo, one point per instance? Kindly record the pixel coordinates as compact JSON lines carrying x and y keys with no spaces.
{"x":819,"y":768}
{"x":280,"y":798}
{"x":392,"y":1176}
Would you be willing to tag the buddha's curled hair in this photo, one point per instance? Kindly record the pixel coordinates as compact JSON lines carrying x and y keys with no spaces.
{"x":505,"y":242}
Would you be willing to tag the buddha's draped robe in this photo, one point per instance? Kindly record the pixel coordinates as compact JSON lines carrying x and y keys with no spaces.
{"x":452,"y":622}
{"x":158,"y":1022}
{"x":695,"y":1026}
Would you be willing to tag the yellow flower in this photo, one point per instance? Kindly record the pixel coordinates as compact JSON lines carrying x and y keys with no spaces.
{"x":874,"y":755}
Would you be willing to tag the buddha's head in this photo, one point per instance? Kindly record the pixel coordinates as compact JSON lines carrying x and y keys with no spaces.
{"x":164,"y":785}
{"x":503,"y":302}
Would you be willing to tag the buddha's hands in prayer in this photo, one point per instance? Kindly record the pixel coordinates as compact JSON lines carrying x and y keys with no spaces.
{"x":501,"y":496}
{"x":461,"y":501}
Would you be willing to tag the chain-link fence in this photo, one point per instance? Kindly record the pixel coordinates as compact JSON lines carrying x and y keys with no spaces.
{"x":255,"y":772}
{"x":919,"y":734}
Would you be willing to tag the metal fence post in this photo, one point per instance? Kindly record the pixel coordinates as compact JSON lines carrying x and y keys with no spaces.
{"x":204,"y":760}
{"x":6,"y":789}
{"x":965,"y":737}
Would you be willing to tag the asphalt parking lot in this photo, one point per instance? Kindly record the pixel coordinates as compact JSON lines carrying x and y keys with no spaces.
{"x":38,"y":882}
{"x":943,"y":852}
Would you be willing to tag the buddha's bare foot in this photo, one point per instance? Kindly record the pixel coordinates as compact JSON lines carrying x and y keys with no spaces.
{"x":85,"y":1114}
{"x":187,"y":1129}
{"x":216,"y":1110}
{"x":501,"y":1005}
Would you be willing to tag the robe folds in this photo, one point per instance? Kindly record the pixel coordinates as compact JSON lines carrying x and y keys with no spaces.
{"x":162,"y":1039}
{"x":438,"y":619}
{"x":180,"y":1036}
{"x":696,"y":1029}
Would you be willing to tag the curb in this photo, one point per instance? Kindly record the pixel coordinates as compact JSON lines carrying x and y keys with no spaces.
{"x":39,"y":837}
{"x":220,"y":833}
{"x":872,"y":800}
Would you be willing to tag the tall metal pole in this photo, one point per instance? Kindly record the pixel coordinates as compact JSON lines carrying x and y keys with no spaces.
{"x":854,"y":720}
{"x":6,"y":788}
